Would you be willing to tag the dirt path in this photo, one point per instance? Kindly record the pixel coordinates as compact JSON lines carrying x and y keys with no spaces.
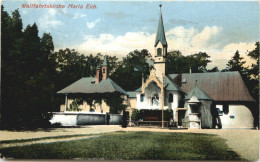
{"x":46,"y":141}
{"x":244,"y":142}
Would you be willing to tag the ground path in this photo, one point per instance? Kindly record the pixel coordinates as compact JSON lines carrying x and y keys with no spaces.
{"x":244,"y":142}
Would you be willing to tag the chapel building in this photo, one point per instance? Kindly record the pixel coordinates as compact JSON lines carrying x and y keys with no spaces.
{"x":197,"y":100}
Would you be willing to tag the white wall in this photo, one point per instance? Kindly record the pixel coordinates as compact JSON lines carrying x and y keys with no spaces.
{"x":146,"y":104}
{"x":64,"y":120}
{"x":243,"y":117}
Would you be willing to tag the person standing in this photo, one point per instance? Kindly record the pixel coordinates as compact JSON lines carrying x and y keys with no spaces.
{"x":124,"y":123}
{"x":107,"y":118}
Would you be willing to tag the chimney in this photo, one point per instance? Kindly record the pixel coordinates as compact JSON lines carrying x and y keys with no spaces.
{"x":104,"y":69}
{"x":98,"y":75}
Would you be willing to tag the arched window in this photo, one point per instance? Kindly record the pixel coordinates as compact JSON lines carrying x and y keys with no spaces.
{"x":142,"y":98}
{"x":159,"y":52}
{"x":170,"y":99}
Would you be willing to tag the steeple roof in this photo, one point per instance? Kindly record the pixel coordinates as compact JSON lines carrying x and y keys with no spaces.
{"x":105,"y":61}
{"x":160,"y":35}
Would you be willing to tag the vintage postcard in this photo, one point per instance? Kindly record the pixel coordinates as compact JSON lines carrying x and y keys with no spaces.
{"x":129,"y":80}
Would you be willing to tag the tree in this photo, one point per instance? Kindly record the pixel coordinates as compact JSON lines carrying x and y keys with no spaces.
{"x":130,"y":70}
{"x":236,"y":63}
{"x":28,"y":89}
{"x":253,"y":73}
{"x":253,"y":81}
{"x":177,"y":63}
{"x":254,"y":54}
{"x":215,"y":69}
{"x":10,"y":73}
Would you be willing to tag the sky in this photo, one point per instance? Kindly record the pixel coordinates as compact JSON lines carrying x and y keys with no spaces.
{"x":218,"y":28}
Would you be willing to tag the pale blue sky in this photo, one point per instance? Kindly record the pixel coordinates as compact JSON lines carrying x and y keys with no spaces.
{"x":218,"y":28}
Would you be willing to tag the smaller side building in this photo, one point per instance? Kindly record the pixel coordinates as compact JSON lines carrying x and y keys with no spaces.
{"x":90,"y":87}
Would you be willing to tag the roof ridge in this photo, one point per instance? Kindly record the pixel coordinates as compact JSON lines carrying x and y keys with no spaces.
{"x":207,"y":72}
{"x":114,"y":84}
{"x":172,"y":82}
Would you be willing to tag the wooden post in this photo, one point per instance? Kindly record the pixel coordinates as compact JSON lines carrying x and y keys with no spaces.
{"x":66,"y":102}
{"x":142,"y":80}
{"x":162,"y":100}
{"x":130,"y":122}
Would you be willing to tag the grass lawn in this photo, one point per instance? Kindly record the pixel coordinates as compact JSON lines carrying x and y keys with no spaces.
{"x":130,"y":146}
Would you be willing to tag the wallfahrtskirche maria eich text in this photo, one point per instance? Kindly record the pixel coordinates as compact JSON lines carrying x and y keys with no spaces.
{"x":72,"y":6}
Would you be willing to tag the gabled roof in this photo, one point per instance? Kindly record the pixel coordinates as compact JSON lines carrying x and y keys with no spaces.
{"x":198,"y":93}
{"x":139,"y":89}
{"x":220,"y":86}
{"x":87,"y":86}
{"x":131,"y":94}
{"x":160,"y":35}
{"x":170,"y":85}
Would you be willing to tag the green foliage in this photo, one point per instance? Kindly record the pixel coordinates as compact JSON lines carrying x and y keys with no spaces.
{"x":116,"y":102}
{"x":136,"y":115}
{"x":74,"y":106}
{"x":131,"y":146}
{"x":177,"y":63}
{"x":128,"y":73}
{"x":253,"y":83}
{"x":215,"y":69}
{"x":236,"y":63}
{"x":27,"y":76}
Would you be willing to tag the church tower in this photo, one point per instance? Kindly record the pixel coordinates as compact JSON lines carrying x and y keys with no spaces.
{"x":160,"y":50}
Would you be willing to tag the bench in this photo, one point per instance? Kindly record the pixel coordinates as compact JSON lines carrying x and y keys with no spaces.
{"x":152,"y":122}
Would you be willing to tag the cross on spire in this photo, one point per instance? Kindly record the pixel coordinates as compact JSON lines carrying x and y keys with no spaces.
{"x":160,"y":35}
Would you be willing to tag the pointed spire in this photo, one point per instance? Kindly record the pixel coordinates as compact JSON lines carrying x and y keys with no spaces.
{"x":160,"y":35}
{"x":105,"y":61}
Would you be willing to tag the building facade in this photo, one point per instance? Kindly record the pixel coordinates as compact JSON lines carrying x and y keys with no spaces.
{"x":197,"y":100}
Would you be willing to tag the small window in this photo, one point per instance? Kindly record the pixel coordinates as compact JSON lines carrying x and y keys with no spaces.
{"x":159,"y":52}
{"x":232,"y":117}
{"x":142,"y":98}
{"x":170,"y":99}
